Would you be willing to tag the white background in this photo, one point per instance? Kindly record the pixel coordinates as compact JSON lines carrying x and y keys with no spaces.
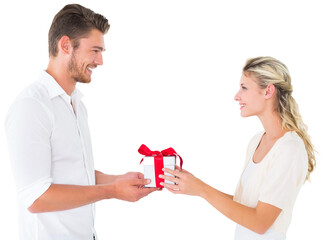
{"x":170,"y":74}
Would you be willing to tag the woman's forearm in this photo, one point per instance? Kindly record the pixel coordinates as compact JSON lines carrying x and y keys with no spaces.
{"x":241,"y":214}
{"x":258,"y":219}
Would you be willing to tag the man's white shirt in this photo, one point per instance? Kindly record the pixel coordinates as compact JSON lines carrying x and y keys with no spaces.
{"x":49,"y":143}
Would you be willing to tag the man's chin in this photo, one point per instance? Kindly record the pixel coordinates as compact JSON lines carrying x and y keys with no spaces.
{"x":83,"y":80}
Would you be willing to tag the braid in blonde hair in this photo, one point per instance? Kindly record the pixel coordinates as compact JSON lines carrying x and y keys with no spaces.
{"x":268,"y":70}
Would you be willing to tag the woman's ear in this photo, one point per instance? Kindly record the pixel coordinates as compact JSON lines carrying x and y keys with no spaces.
{"x":270,"y":90}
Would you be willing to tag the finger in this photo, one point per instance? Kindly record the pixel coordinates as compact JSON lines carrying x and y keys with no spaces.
{"x":169,"y":178}
{"x":173,"y":172}
{"x":170,"y":186}
{"x":140,"y":182}
{"x":146,"y":191}
{"x":153,"y":188}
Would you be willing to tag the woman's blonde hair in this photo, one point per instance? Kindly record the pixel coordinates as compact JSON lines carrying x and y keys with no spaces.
{"x":267,"y":70}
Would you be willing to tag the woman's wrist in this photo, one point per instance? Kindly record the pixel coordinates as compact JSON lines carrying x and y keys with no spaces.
{"x":204,"y":190}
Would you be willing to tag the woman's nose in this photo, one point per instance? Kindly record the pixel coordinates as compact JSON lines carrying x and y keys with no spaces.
{"x":237,"y":96}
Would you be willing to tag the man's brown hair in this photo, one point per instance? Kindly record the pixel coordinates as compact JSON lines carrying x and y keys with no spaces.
{"x":75,"y":22}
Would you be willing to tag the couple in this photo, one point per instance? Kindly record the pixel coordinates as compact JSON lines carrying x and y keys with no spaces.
{"x":51,"y":154}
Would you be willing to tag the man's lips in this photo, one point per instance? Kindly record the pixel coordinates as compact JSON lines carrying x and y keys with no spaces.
{"x":90,"y":69}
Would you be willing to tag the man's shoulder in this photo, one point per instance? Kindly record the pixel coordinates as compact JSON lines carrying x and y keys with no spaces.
{"x":32,"y":99}
{"x":36,"y":91}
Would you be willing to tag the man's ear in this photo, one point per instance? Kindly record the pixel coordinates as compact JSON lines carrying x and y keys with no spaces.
{"x":65,"y":45}
{"x":270,"y":90}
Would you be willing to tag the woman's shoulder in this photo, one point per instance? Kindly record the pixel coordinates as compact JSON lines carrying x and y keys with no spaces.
{"x":291,"y":140}
{"x":290,"y":148}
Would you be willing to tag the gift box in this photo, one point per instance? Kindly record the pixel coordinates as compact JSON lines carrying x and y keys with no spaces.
{"x":155,"y":161}
{"x":150,"y":172}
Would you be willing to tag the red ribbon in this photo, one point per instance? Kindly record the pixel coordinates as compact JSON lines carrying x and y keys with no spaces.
{"x":158,"y":160}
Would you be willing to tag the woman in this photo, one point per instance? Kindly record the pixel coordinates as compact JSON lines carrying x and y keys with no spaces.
{"x":278,"y":160}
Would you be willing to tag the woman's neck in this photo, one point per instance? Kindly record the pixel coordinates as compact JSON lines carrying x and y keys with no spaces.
{"x":272,"y":123}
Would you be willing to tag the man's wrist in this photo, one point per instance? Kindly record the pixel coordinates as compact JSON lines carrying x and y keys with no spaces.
{"x":102,"y":178}
{"x":107,"y":191}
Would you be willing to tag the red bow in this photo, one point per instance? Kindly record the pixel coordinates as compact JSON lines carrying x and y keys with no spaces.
{"x":158,"y":158}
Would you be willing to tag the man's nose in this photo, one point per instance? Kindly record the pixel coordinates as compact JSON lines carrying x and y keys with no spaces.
{"x":98,"y":60}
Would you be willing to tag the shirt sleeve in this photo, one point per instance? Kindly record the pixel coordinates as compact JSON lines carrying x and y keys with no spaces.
{"x":28,"y":127}
{"x":285,"y":176}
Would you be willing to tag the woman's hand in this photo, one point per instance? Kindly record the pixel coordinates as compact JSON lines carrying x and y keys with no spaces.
{"x":185,"y":182}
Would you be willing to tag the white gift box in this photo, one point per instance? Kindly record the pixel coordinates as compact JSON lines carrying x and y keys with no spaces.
{"x":149,"y":168}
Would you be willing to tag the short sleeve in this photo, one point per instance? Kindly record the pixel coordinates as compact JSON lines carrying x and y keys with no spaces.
{"x":28,"y":128}
{"x":286,"y":175}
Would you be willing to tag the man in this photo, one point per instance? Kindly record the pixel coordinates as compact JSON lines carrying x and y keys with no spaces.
{"x":49,"y":141}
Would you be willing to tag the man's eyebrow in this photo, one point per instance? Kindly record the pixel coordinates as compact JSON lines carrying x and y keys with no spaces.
{"x":100,"y":48}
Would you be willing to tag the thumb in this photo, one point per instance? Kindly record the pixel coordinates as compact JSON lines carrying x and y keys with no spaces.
{"x":140,"y":175}
{"x":140,"y":182}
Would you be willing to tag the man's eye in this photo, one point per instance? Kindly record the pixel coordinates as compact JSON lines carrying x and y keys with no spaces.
{"x":244,"y":88}
{"x":95,"y":51}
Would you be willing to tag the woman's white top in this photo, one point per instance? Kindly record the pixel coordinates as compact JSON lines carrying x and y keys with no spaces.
{"x":247,"y":172}
{"x":275,"y":180}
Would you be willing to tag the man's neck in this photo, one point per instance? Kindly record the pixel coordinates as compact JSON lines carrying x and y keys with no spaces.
{"x":59,"y":73}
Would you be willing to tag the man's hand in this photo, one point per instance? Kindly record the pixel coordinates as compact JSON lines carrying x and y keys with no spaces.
{"x":102,"y":178}
{"x":127,"y":187}
{"x":130,"y":175}
{"x":131,"y":189}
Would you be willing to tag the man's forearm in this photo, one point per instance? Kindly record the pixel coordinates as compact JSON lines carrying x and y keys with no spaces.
{"x":102,"y":178}
{"x":63,"y":197}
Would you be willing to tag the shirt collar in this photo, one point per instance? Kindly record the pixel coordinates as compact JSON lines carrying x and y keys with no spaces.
{"x":54,"y":89}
